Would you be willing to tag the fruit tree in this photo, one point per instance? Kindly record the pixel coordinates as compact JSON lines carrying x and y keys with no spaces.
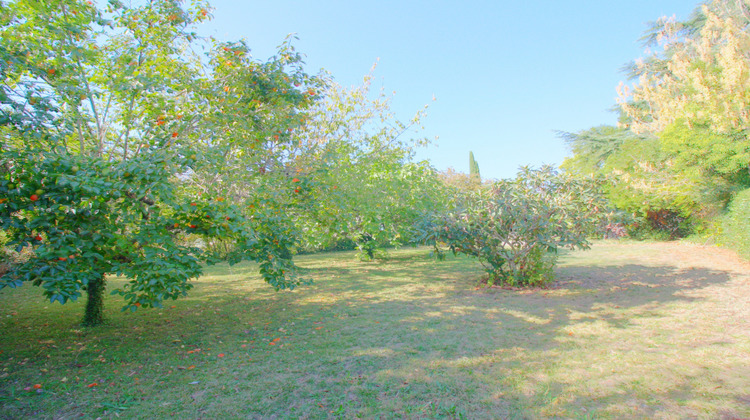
{"x":120,"y":145}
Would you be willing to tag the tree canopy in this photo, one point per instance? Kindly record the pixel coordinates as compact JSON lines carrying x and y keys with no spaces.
{"x":122,"y":146}
{"x":682,"y":145}
{"x":133,"y":147}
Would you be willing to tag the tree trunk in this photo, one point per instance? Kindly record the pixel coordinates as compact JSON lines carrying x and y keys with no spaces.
{"x":95,"y":302}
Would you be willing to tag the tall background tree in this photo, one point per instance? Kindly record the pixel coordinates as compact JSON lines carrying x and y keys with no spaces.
{"x":681,"y":150}
{"x":694,"y":93}
{"x":474,"y":168}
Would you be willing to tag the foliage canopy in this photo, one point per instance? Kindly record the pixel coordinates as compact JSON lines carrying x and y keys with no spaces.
{"x":121,"y":144}
{"x":515,"y":227}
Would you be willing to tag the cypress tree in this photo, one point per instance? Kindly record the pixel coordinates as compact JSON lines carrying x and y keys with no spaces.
{"x":473,"y":167}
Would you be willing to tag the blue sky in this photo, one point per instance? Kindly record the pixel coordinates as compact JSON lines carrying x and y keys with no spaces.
{"x":505,"y":75}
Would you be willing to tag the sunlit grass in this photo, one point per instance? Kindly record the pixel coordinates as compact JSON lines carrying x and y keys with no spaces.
{"x":629,"y":330}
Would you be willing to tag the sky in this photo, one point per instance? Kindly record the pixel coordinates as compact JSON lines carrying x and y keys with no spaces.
{"x":506,"y":76}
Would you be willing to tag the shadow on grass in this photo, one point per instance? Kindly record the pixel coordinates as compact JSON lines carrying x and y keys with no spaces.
{"x":500,"y":337}
{"x":411,"y":337}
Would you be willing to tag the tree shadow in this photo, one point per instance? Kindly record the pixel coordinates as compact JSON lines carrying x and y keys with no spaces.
{"x":413,"y":338}
{"x":499,"y":337}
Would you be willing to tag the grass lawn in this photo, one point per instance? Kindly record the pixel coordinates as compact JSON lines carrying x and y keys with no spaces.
{"x":629,"y":330}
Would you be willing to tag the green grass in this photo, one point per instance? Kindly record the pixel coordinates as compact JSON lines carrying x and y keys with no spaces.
{"x":629,"y":330}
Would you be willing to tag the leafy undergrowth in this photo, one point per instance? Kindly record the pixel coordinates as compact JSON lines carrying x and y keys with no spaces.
{"x":629,"y":330}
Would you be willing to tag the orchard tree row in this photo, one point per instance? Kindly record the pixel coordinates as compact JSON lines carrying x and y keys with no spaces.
{"x":133,"y":147}
{"x":681,"y":151}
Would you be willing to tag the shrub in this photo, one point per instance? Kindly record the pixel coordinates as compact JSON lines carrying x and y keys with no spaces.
{"x":735,"y":224}
{"x":662,"y":224}
{"x":515,"y":227}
